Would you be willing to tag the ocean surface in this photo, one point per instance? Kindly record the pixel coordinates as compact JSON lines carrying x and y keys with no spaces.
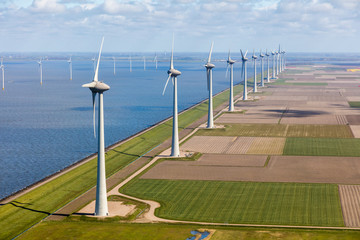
{"x":45,"y":128}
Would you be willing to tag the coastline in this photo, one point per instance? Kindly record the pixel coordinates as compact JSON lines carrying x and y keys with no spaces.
{"x":86,"y":159}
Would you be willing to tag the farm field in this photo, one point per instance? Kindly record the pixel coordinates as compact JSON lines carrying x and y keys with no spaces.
{"x":280,"y":130}
{"x":242,"y":202}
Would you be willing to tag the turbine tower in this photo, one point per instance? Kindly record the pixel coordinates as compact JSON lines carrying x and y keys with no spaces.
{"x":262,"y":68}
{"x":243,"y":73}
{"x":70,"y":66}
{"x":144,"y":63}
{"x":277,"y":62}
{"x":114,"y":65}
{"x":284,"y":60}
{"x":268,"y":66}
{"x":173,"y":73}
{"x":40,"y":68}
{"x":156,"y":61}
{"x":230,"y":63}
{"x":130,"y":63}
{"x":3,"y":73}
{"x":209,"y":66}
{"x":273,"y":65}
{"x":254,"y":57}
{"x":101,"y":207}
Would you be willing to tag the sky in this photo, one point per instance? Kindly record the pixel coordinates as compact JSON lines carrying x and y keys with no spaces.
{"x":148,"y":25}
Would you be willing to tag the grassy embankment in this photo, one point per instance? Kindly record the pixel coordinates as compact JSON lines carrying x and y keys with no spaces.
{"x":124,"y":231}
{"x":29,"y":209}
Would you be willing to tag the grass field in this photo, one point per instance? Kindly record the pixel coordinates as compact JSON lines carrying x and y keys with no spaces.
{"x":242,"y":202}
{"x":280,"y":130}
{"x":30,"y":208}
{"x":354,"y":104}
{"x":322,"y":147}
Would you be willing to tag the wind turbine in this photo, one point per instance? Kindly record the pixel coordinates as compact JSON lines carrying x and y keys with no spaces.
{"x":273,"y":65}
{"x":262,"y":68}
{"x":93,"y":59}
{"x":114,"y":64}
{"x":230,"y":63}
{"x":70,"y":66}
{"x":101,"y":207}
{"x":40,"y":68}
{"x":209,"y":66}
{"x":284,"y":60}
{"x":277,"y":62}
{"x":268,"y":68}
{"x":173,"y":73}
{"x":3,"y":73}
{"x":254,"y":57}
{"x":144,"y":63}
{"x":156,"y":61}
{"x":130,"y":63}
{"x":243,"y":73}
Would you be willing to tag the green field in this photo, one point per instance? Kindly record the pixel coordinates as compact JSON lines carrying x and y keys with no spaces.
{"x":322,"y":147}
{"x":30,"y":208}
{"x":280,"y":130}
{"x":242,"y":202}
{"x":354,"y":104}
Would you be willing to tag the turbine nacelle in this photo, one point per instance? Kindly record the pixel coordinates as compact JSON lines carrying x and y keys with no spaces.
{"x":97,"y":87}
{"x":173,"y":72}
{"x":209,"y":65}
{"x":230,"y":61}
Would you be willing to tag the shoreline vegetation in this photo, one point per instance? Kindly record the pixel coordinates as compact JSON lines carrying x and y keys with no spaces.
{"x":27,"y":207}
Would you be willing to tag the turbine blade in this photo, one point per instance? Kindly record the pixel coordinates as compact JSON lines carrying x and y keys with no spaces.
{"x":229,"y":55}
{"x":167,"y":81}
{"x":209,"y":58}
{"x":172,"y":54}
{"x":96,"y":77}
{"x":227,"y":70}
{"x":246,"y":53}
{"x":93,"y":102}
{"x":242,"y":55}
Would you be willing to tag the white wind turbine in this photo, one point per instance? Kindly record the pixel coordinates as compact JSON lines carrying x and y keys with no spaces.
{"x":230,"y":63}
{"x":101,"y":207}
{"x":144,"y":63}
{"x":277,"y":62}
{"x":173,"y":73}
{"x":262,"y":68}
{"x":70,"y":66}
{"x":243,"y":73}
{"x":284,"y":59}
{"x":254,"y":57}
{"x":156,"y":61}
{"x":273,"y":65}
{"x":3,"y":73}
{"x":114,"y":65}
{"x":40,"y":69}
{"x":268,"y":66}
{"x":209,"y":66}
{"x":130,"y":63}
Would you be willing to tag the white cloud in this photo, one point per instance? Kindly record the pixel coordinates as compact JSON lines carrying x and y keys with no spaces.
{"x":50,"y":6}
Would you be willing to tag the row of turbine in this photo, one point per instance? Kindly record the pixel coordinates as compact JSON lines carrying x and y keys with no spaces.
{"x":98,"y":87}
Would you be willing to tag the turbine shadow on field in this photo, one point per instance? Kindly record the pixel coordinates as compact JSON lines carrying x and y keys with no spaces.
{"x":298,"y":113}
{"x":18,"y":205}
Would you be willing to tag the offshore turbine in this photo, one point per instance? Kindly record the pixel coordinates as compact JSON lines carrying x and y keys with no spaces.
{"x":114,"y":65}
{"x":262,"y":68}
{"x":254,"y":57}
{"x":101,"y":207}
{"x":209,"y":66}
{"x":243,"y":73}
{"x":130,"y":63}
{"x":268,"y":66}
{"x":156,"y":61}
{"x":40,"y":69}
{"x":70,"y":66}
{"x":3,"y":73}
{"x":144,"y":63}
{"x":230,"y":63}
{"x":173,"y":73}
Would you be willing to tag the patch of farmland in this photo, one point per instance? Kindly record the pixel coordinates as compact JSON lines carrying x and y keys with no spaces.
{"x":242,"y":202}
{"x":247,"y":129}
{"x":319,"y":131}
{"x":208,"y":144}
{"x":268,"y":145}
{"x":245,"y":118}
{"x":327,"y":119}
{"x":353,"y":119}
{"x":355,"y":130}
{"x":350,"y":203}
{"x":241,"y":145}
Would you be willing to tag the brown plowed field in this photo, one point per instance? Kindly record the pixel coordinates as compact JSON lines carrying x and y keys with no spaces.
{"x":326,"y":119}
{"x":243,"y":118}
{"x":268,"y":145}
{"x":304,"y":169}
{"x":350,"y":204}
{"x":355,"y":130}
{"x":241,"y":145}
{"x":208,"y":144}
{"x":353,"y":119}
